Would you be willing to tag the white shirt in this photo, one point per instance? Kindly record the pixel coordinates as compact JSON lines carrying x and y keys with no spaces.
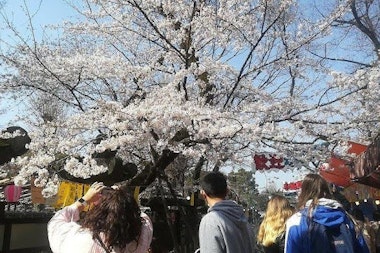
{"x":67,"y":236}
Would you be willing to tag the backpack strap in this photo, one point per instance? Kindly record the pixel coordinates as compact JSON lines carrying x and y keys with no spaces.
{"x":97,"y":237}
{"x":309,"y":223}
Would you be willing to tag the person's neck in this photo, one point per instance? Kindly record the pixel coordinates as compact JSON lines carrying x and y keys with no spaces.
{"x":212,"y":201}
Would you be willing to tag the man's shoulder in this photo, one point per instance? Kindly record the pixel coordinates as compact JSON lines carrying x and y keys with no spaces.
{"x":213,"y":214}
{"x":214,"y":217}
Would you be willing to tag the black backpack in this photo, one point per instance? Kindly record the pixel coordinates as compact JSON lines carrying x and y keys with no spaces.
{"x":338,"y":239}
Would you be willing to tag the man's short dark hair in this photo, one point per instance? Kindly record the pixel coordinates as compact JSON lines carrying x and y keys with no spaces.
{"x":214,"y":184}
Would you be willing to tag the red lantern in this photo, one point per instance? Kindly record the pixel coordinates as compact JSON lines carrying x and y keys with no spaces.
{"x":12,"y":193}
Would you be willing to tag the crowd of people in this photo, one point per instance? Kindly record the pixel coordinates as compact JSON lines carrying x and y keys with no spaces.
{"x":318,"y":223}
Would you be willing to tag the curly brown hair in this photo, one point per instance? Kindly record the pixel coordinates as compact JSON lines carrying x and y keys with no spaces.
{"x":117,"y":217}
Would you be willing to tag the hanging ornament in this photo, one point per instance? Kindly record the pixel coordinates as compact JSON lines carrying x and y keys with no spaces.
{"x":12,"y":193}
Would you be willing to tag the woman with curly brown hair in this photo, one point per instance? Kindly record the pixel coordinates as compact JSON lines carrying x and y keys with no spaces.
{"x":115,"y":224}
{"x":271,"y":235}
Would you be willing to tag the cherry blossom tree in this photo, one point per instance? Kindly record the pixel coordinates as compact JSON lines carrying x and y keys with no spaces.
{"x":212,"y":81}
{"x":359,"y":83}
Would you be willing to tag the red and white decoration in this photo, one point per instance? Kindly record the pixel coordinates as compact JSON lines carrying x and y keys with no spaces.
{"x":268,"y":161}
{"x":293,"y":186}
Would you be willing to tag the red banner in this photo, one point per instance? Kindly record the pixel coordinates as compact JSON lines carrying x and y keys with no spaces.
{"x":268,"y":161}
{"x":293,"y":185}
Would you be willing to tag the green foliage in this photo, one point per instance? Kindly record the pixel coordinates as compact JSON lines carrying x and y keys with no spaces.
{"x":242,"y":183}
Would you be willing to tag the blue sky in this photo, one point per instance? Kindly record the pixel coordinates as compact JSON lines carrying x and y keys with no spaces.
{"x":43,"y":12}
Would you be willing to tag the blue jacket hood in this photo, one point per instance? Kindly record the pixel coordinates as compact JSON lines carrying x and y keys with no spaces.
{"x":328,"y":212}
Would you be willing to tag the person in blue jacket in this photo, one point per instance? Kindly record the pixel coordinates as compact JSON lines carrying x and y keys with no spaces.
{"x":321,"y":224}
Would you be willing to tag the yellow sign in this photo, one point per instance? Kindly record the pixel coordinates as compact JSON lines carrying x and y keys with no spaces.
{"x":69,"y":192}
{"x":136,"y":194}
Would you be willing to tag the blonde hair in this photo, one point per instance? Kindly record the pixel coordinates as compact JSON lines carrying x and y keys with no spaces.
{"x":273,"y":225}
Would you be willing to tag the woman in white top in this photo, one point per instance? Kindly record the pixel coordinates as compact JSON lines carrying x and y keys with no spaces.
{"x":115,"y":224}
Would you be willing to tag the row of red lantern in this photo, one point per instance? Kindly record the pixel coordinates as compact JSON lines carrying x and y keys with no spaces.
{"x":293,"y":186}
